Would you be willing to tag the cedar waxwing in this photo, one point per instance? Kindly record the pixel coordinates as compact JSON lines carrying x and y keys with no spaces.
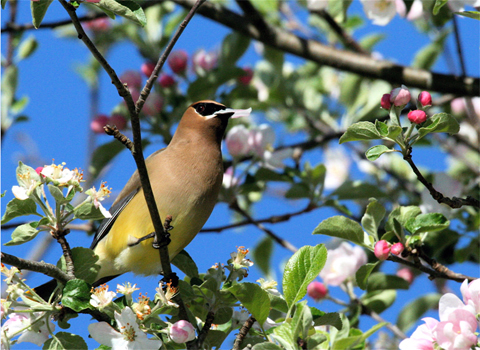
{"x":186,"y":178}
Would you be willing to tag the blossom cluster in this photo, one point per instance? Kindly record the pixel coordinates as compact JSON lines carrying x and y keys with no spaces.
{"x":456,"y":329}
{"x":400,"y":97}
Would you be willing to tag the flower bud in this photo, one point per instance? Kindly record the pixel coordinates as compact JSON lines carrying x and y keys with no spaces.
{"x":246,"y":77}
{"x":119,"y":121}
{"x":153,"y":105}
{"x":147,"y":68}
{"x":132,"y":78}
{"x":98,"y":123}
{"x":182,"y":331}
{"x":397,"y":248}
{"x":317,"y":290}
{"x":204,"y":61}
{"x":417,"y":116}
{"x":400,"y":96}
{"x":178,"y":61}
{"x":385,"y":102}
{"x":425,"y":99}
{"x":237,"y":141}
{"x":39,"y":170}
{"x":166,"y":80}
{"x":99,"y":24}
{"x":406,"y":274}
{"x":382,"y":250}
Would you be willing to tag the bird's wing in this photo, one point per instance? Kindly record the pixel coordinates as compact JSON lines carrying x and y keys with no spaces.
{"x":132,"y":187}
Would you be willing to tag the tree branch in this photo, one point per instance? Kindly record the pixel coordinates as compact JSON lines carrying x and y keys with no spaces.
{"x":243,"y":332}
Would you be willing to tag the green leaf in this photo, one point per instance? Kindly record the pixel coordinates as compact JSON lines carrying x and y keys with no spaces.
{"x":9,"y":88}
{"x":185,"y":263}
{"x":253,"y":298}
{"x":27,"y":47}
{"x":427,"y":223}
{"x":266,"y":346}
{"x":297,"y":191}
{"x":302,"y":320}
{"x":17,"y":207}
{"x":65,"y":340}
{"x":363,"y":273}
{"x":85,"y":263}
{"x":373,"y":153}
{"x":341,"y":227}
{"x":4,"y":2}
{"x":301,"y":269}
{"x":357,"y":190}
{"x":415,"y":309}
{"x":440,"y":122}
{"x":261,"y":255}
{"x":87,"y":211}
{"x":39,"y":9}
{"x":329,"y":319}
{"x":379,"y":301}
{"x":24,"y":233}
{"x":125,"y":8}
{"x":381,"y":281}
{"x":389,"y":132}
{"x":373,"y":217}
{"x":438,"y":5}
{"x":352,"y":341}
{"x":57,"y":194}
{"x":402,"y":215}
{"x":233,"y":47}
{"x":338,"y":9}
{"x":103,"y":155}
{"x":360,"y":131}
{"x":76,"y":295}
{"x":470,"y":14}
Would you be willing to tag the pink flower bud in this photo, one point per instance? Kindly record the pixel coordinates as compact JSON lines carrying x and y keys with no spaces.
{"x":237,"y":141}
{"x":406,"y":274}
{"x":132,"y":78}
{"x":99,"y":24}
{"x":247,"y":76}
{"x":119,"y":121}
{"x":204,"y":61}
{"x":153,"y":105}
{"x":166,"y":80}
{"x":147,"y":68}
{"x":317,"y":290}
{"x":397,"y":248}
{"x":382,"y":250}
{"x":458,"y":106}
{"x":182,"y":332}
{"x":39,"y":170}
{"x":425,"y":99}
{"x":98,"y":123}
{"x":385,"y":102}
{"x":178,"y":61}
{"x":417,"y":116}
{"x":400,"y":96}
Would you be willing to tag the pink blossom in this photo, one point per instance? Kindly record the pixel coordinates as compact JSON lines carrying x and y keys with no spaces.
{"x":237,"y":141}
{"x":119,"y":121}
{"x":261,"y":138}
{"x":422,"y":338}
{"x":153,"y":105}
{"x":400,"y":96}
{"x":166,"y":80}
{"x":98,"y":25}
{"x":317,"y":290}
{"x":425,"y":99}
{"x":182,"y":331}
{"x":246,"y":77}
{"x":39,"y":169}
{"x":204,"y":61}
{"x":457,"y":332}
{"x":471,"y":294}
{"x":132,"y":78}
{"x":342,"y":263}
{"x":397,"y":248}
{"x":178,"y":61}
{"x":417,"y":116}
{"x":382,"y":250}
{"x":406,"y":274}
{"x":147,"y":68}
{"x":385,"y":102}
{"x":98,"y":123}
{"x":416,"y":10}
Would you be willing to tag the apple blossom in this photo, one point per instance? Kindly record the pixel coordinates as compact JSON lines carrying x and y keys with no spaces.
{"x":97,"y":196}
{"x":274,"y":160}
{"x":337,"y":164}
{"x":382,"y":250}
{"x":28,"y":181}
{"x":417,"y":116}
{"x":30,"y":326}
{"x":416,"y":10}
{"x":237,"y":141}
{"x":246,"y":77}
{"x":132,"y":78}
{"x":178,"y":61}
{"x":101,"y":297}
{"x":204,"y":61}
{"x":166,"y":80}
{"x":129,"y":337}
{"x":142,"y":307}
{"x":153,"y":105}
{"x":166,"y":297}
{"x":317,"y":290}
{"x":342,"y":263}
{"x":98,"y":25}
{"x":456,"y":331}
{"x":425,"y":99}
{"x":59,"y":175}
{"x":182,"y":331}
{"x":422,"y":338}
{"x":261,"y":138}
{"x":147,"y":68}
{"x":459,"y":5}
{"x":98,"y":123}
{"x":471,"y":295}
{"x":229,"y":179}
{"x":385,"y":102}
{"x":380,"y":12}
{"x":406,"y":274}
{"x":400,"y":96}
{"x":397,"y":248}
{"x":238,"y":260}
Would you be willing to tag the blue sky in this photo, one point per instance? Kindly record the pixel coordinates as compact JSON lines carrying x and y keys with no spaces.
{"x":58,"y":129}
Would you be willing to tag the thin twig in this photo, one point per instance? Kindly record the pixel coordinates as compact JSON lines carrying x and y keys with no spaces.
{"x":198,"y":343}
{"x":439,"y":197}
{"x":395,"y":330}
{"x":284,"y":243}
{"x":42,"y":267}
{"x":67,"y":252}
{"x":243,"y":332}
{"x":458,"y":45}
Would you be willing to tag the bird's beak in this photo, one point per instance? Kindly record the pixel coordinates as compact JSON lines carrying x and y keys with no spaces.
{"x":235,"y":113}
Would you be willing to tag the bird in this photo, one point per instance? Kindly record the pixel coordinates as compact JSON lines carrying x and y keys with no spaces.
{"x":186,"y":178}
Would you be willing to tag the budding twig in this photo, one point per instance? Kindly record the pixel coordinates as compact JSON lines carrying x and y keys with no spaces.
{"x":243,"y":332}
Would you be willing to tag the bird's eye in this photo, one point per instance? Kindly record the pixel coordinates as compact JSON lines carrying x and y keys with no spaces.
{"x":200,"y":108}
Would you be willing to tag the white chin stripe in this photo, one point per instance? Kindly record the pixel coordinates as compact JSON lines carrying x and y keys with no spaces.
{"x":237,"y":113}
